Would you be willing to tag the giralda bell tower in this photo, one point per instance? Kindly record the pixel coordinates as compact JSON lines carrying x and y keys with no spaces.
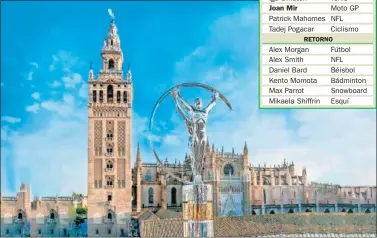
{"x":109,"y":149}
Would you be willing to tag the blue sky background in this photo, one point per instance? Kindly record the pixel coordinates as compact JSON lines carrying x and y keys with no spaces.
{"x":46,"y":49}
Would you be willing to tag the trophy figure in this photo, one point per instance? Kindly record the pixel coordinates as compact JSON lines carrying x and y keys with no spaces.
{"x":196,"y":121}
{"x":197,"y":199}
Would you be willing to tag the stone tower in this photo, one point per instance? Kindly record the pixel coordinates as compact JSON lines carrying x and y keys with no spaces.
{"x":109,"y":143}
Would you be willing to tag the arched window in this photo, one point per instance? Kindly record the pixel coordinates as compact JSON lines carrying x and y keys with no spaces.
{"x":109,"y":149}
{"x":111,"y":65}
{"x":150,"y":196}
{"x":109,"y":164}
{"x":228,"y":170}
{"x":290,"y":211}
{"x":253,"y":213}
{"x":343,"y":210}
{"x":350,"y":211}
{"x":110,"y":94}
{"x":148,"y":176}
{"x":52,"y":215}
{"x":264,"y":196}
{"x":367,"y":211}
{"x":112,"y":42}
{"x":174,"y":196}
{"x":110,"y":135}
{"x":125,"y":97}
{"x":118,"y":96}
{"x":272,"y":212}
{"x":94,"y":96}
{"x":327,"y":211}
{"x":101,"y":96}
{"x":308,"y":210}
{"x":109,"y":197}
{"x":20,"y":216}
{"x":109,"y":216}
{"x":109,"y":181}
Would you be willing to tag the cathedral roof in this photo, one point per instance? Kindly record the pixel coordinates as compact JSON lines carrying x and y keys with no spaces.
{"x":146,"y":214}
{"x":166,"y":214}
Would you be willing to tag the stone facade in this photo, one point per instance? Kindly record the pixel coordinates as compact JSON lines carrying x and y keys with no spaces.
{"x":243,"y":189}
{"x":45,"y":216}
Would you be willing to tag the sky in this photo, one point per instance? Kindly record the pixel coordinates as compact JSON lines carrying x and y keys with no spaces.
{"x":46,"y":50}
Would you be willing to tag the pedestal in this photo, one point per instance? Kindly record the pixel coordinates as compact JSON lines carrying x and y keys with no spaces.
{"x":197,"y":202}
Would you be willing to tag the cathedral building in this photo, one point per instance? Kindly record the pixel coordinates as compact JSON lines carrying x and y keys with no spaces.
{"x":242,"y":189}
{"x":118,"y":193}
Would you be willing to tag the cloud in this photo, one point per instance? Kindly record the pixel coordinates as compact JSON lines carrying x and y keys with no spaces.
{"x":33,"y":108}
{"x":83,"y":92}
{"x":30,"y":76}
{"x":55,"y":60}
{"x":72,"y":80}
{"x":36,"y":96}
{"x":65,"y":61}
{"x":34,"y":64}
{"x":10,"y":119}
{"x":62,"y":108}
{"x":57,"y":146}
{"x":171,"y":140}
{"x":55,"y":84}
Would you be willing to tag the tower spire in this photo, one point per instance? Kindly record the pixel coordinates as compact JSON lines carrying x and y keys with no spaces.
{"x":112,"y":41}
{"x":91,"y":74}
{"x":138,"y":151}
{"x":138,"y":156}
{"x":129,"y":74}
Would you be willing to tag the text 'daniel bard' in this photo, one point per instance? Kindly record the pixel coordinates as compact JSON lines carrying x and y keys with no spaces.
{"x":317,"y":54}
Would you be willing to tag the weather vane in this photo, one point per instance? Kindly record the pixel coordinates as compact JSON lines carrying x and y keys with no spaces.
{"x":111,"y":13}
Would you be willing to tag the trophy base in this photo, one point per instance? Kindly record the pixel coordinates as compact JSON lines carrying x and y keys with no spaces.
{"x":197,"y":210}
{"x":198,"y":229}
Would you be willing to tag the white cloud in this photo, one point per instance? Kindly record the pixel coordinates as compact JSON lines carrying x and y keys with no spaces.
{"x":34,"y":64}
{"x":83,"y":92}
{"x":30,"y":76}
{"x":55,"y":84}
{"x":72,"y":80}
{"x":171,"y":140}
{"x":68,"y":98}
{"x":10,"y":119}
{"x":55,"y":60}
{"x":62,"y":108}
{"x":65,"y":61}
{"x":36,"y":95}
{"x":58,"y":146}
{"x":33,"y":108}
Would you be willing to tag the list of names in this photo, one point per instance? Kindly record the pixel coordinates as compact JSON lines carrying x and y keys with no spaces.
{"x":317,"y":54}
